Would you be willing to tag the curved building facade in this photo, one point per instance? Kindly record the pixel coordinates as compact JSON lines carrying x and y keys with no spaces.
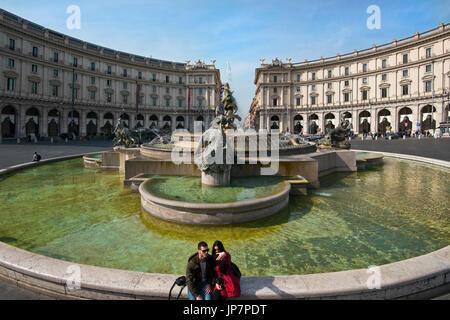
{"x":52,"y":84}
{"x":400,"y":86}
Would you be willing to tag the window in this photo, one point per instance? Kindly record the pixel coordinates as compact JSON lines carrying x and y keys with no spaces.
{"x":33,"y":85}
{"x":364,"y":80}
{"x":298,"y":101}
{"x":329,"y":98}
{"x":180,"y":80}
{"x":55,"y":91}
{"x":329,"y":74}
{"x":405,"y":90}
{"x":92,"y":95}
{"x":154,"y":101}
{"x":75,"y":62}
{"x":427,"y":86}
{"x":125,"y":72}
{"x":55,"y":57}
{"x":313,"y":87}
{"x":405,"y":58}
{"x":11,"y":63}
{"x":12,"y":44}
{"x":405,"y":73}
{"x":346,"y":83}
{"x":428,"y":52}
{"x":108,"y":83}
{"x":384,"y":77}
{"x":275,"y":78}
{"x":365,"y":67}
{"x":108,"y":97}
{"x":347,"y":71}
{"x":330,"y":85}
{"x":384,"y":92}
{"x":125,"y":99}
{"x":167,"y":79}
{"x":35,"y":51}
{"x":298,"y":89}
{"x":139,"y":75}
{"x":298,"y":78}
{"x":33,"y":68}
{"x":75,"y":77}
{"x":364,"y":95}
{"x":428,"y":68}
{"x":108,"y":70}
{"x":346,"y":97}
{"x":168,"y":90}
{"x":275,"y":90}
{"x":154,"y":77}
{"x":92,"y":66}
{"x":274,"y":102}
{"x":180,"y":103}
{"x":140,"y":99}
{"x":180,"y":91}
{"x":313,"y":100}
{"x":200,"y":80}
{"x":92,"y":80}
{"x":10,"y":84}
{"x":200,"y":103}
{"x":384,"y":63}
{"x":154,"y":88}
{"x":55,"y":73}
{"x":313,"y":76}
{"x":167,"y":103}
{"x":200,"y":91}
{"x":125,"y":85}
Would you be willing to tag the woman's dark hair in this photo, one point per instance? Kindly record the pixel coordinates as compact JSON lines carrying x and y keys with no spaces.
{"x":219,"y":245}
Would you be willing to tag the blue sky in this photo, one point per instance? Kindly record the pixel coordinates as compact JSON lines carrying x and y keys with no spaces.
{"x":239,"y":32}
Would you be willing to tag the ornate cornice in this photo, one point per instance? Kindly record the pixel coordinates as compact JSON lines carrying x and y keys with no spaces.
{"x":34,"y":79}
{"x":10,"y":74}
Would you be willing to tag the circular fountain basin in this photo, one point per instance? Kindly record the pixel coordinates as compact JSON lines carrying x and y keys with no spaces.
{"x":186,"y":200}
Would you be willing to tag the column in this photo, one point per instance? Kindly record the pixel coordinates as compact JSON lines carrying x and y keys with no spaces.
{"x":417,"y":117}
{"x":146,"y":120}
{"x":100,"y":121}
{"x":395,"y":120}
{"x":44,"y":127}
{"x":82,"y":123}
{"x":21,"y":122}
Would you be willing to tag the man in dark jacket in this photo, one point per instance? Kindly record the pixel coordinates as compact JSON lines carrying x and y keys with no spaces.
{"x":200,"y":274}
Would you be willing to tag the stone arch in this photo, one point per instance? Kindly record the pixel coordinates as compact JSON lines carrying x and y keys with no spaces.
{"x":53,"y":119}
{"x":8,"y":122}
{"x":364,"y":122}
{"x":167,"y":123}
{"x":108,"y":123}
{"x":153,"y":121}
{"x":140,"y":121}
{"x":313,"y":127}
{"x":180,"y":122}
{"x":92,"y":123}
{"x":428,"y":117}
{"x":405,"y":115}
{"x":330,"y":122}
{"x":74,"y":122}
{"x":384,"y":121}
{"x":298,"y":124}
{"x":32,"y":116}
{"x":274,"y":123}
{"x":125,"y":120}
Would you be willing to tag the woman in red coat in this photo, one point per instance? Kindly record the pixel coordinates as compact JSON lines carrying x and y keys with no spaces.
{"x":223,"y":269}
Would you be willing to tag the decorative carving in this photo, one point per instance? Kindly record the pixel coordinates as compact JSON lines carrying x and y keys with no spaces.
{"x":199,"y":65}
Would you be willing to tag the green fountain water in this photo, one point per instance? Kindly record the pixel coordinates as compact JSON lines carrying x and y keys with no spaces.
{"x":378,"y":216}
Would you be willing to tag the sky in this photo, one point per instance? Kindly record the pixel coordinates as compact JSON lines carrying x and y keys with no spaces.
{"x":235,"y":32}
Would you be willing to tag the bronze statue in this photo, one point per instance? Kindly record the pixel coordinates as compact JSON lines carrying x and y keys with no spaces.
{"x":336,"y":137}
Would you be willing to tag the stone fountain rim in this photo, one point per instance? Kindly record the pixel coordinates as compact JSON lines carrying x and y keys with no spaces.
{"x":212,"y":206}
{"x":407,"y":278}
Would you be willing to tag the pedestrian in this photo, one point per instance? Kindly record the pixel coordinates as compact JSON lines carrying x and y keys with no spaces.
{"x":36,"y":157}
{"x":200,"y":274}
{"x":224,"y":270}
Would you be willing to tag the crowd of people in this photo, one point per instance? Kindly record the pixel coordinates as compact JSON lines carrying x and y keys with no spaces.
{"x":212,"y":276}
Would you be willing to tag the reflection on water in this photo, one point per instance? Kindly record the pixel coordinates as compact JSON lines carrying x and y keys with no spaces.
{"x":381,"y":215}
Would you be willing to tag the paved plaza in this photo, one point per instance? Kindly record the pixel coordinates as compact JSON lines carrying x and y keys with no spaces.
{"x":12,"y":154}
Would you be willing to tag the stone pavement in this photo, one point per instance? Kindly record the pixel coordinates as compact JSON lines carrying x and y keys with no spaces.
{"x":12,"y":153}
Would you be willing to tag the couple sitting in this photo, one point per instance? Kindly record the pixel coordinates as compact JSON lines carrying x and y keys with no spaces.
{"x":210,"y":276}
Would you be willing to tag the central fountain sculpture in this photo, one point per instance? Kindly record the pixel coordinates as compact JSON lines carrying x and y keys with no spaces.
{"x":211,"y":155}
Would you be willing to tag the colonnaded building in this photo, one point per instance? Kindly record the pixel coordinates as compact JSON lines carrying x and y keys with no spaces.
{"x":41,"y":70}
{"x":399,"y":86}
